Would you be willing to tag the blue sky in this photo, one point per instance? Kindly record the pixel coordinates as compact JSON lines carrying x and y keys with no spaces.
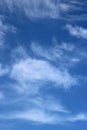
{"x":43,"y":60}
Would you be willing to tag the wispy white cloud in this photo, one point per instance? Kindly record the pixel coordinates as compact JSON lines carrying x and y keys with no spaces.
{"x":62,"y":52}
{"x":48,"y":118}
{"x":34,"y":115}
{"x":34,"y":70}
{"x":53,"y":52}
{"x":39,"y":113}
{"x":43,"y":117}
{"x":77,"y":31}
{"x":29,"y":75}
{"x":35,"y":111}
{"x":44,"y":9}
{"x":78,"y":117}
{"x":40,"y":9}
{"x":4,"y":29}
{"x":50,"y":104}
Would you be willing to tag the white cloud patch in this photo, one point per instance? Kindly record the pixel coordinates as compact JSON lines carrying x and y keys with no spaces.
{"x":34,"y":70}
{"x":77,"y":31}
{"x":78,"y":117}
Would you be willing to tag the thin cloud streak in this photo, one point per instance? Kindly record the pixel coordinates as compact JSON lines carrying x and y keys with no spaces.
{"x":43,"y":117}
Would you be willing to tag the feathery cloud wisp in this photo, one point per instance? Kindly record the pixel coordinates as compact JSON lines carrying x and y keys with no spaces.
{"x":44,"y":9}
